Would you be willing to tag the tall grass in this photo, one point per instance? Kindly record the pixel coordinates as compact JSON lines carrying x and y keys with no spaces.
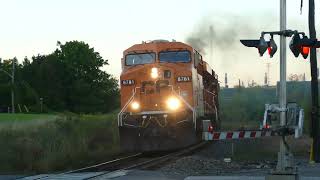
{"x":24,"y":121}
{"x":64,"y":143}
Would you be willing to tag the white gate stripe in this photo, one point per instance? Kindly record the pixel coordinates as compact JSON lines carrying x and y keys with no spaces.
{"x":258,"y":134}
{"x":223,"y":135}
{"x":235,"y":135}
{"x":247,"y":134}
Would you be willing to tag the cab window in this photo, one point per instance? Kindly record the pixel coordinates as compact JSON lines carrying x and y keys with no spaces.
{"x":143,"y":58}
{"x":175,"y":56}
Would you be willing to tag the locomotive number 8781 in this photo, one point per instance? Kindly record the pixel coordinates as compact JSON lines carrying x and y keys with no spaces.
{"x":167,"y":89}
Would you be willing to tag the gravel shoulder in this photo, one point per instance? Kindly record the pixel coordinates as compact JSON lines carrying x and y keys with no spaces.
{"x":249,"y":157}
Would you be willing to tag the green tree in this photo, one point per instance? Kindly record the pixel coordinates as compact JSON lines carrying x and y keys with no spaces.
{"x":68,"y":79}
{"x":89,"y":88}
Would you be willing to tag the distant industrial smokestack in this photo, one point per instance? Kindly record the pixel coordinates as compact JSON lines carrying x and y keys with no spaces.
{"x":211,"y":37}
{"x":265,"y":79}
{"x":226,"y":80}
{"x":268,"y":74}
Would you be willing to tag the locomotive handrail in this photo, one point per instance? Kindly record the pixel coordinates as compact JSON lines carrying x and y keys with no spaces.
{"x":214,"y":103}
{"x":209,"y":105}
{"x":210,"y":92}
{"x":126,"y":106}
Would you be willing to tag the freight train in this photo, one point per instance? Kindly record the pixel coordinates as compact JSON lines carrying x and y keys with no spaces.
{"x":167,"y":90}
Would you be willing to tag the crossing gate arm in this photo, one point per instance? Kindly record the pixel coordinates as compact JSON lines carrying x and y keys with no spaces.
{"x":246,"y":134}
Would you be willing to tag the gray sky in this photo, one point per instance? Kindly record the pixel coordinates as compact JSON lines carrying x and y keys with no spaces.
{"x":33,"y":27}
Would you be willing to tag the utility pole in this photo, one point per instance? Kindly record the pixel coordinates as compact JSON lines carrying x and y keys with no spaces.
{"x":285,"y":159}
{"x":12,"y":86}
{"x":41,"y":104}
{"x":265,"y":80}
{"x":268,"y":74}
{"x":314,"y":87}
{"x":226,"y":80}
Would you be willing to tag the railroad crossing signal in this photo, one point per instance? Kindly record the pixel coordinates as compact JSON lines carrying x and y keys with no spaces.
{"x":272,"y":49}
{"x":302,"y":46}
{"x":297,"y":45}
{"x":262,"y":45}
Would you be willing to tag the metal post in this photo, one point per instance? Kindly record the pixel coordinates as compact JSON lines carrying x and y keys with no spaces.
{"x":41,"y":104}
{"x":12,"y":86}
{"x":285,"y":163}
{"x":314,"y":87}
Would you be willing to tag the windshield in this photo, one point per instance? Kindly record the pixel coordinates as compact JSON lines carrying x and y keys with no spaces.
{"x":144,"y":58}
{"x":175,"y":56}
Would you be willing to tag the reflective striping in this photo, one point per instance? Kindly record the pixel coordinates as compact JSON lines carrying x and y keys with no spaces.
{"x":216,"y":135}
{"x":229,"y":135}
{"x":223,"y":135}
{"x":237,"y":135}
{"x":253,"y":134}
{"x":241,"y":134}
{"x":247,"y":134}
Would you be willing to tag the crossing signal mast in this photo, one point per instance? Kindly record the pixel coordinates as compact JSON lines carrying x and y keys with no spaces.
{"x":299,"y":44}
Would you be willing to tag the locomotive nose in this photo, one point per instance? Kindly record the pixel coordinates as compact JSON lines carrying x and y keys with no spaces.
{"x":158,"y":98}
{"x":156,"y":92}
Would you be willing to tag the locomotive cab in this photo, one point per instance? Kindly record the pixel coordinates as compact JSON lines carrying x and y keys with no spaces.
{"x":161,"y":96}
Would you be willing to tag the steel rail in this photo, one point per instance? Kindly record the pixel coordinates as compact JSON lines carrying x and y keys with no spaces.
{"x":101,"y":164}
{"x":85,"y":168}
{"x":144,"y":164}
{"x":153,"y":162}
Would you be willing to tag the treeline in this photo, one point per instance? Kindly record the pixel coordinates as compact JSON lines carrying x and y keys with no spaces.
{"x":68,"y":79}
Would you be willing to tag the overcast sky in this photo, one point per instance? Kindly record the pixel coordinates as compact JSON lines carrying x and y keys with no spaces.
{"x":34,"y":26}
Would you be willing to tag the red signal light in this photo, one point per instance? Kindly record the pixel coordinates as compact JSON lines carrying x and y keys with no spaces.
{"x":210,"y":128}
{"x":269,"y":50}
{"x":305,"y":50}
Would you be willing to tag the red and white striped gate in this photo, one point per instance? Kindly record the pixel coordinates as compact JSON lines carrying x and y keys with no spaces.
{"x":246,"y":134}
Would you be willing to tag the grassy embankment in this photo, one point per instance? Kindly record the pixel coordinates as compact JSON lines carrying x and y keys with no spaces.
{"x":44,"y":143}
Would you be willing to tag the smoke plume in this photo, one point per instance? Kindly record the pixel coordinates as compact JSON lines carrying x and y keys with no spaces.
{"x":222,"y":32}
{"x":218,"y":37}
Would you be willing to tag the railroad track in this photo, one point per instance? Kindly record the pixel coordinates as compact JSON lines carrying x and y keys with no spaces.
{"x":118,"y":167}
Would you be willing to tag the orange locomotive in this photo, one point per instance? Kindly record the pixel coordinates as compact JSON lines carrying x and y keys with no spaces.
{"x":166,"y":92}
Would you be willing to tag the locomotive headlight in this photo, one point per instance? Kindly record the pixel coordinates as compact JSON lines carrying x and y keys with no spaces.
{"x":154,"y":73}
{"x":135,"y":105}
{"x":173,"y":103}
